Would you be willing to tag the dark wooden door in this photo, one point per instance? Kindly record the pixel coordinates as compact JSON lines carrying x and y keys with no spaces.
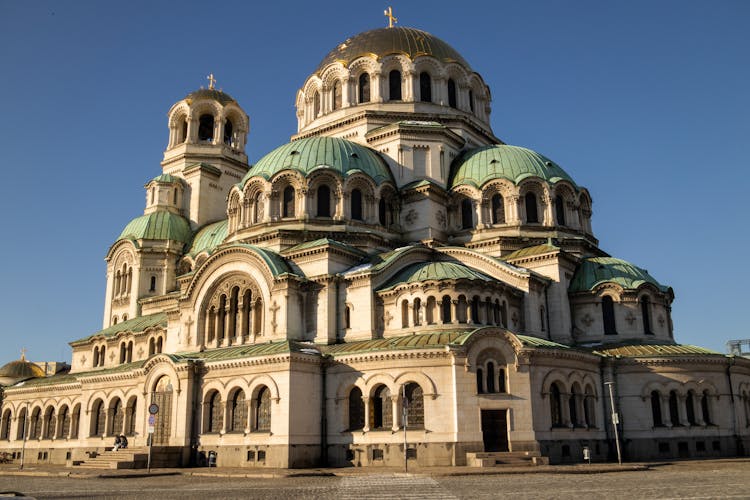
{"x":162,"y":396}
{"x":495,"y":430}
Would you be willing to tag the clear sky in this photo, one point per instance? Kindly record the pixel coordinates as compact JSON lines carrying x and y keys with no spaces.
{"x":645,"y":103}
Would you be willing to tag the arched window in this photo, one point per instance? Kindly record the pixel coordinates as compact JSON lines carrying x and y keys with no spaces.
{"x":356,"y":409}
{"x":430,"y":310}
{"x":414,"y":406}
{"x":404,"y":313}
{"x":504,"y":314}
{"x":123,"y":352}
{"x":560,"y":210}
{"x":542,"y":318}
{"x":573,"y":407}
{"x":50,"y":423}
{"x":445,"y":309}
{"x":588,"y":409}
{"x":5,"y":424}
{"x":382,"y":212}
{"x":337,"y":95}
{"x":608,"y":315}
{"x":690,"y":408}
{"x":356,"y":200}
{"x":347,"y":317}
{"x":316,"y":104}
{"x":98,"y":418}
{"x":475,"y":310}
{"x":257,"y":207}
{"x":364,"y":88}
{"x":425,"y":87}
{"x":555,"y":405}
{"x":452,"y":93}
{"x":471,"y":100}
{"x":152,"y":285}
{"x":130,"y":416}
{"x":75,"y":422}
{"x":215,"y":413}
{"x":480,"y":381}
{"x":206,"y":128}
{"x":467,"y":214}
{"x":417,"y":308}
{"x":705,"y":409}
{"x":21,"y":428}
{"x":159,"y":342}
{"x":288,"y":202}
{"x":532,"y":215}
{"x":238,"y":409}
{"x":498,"y":209}
{"x":228,"y":132}
{"x":151,"y":346}
{"x":646,"y":315}
{"x":394,"y":85}
{"x":118,"y":418}
{"x":184,"y":136}
{"x":104,"y":349}
{"x":490,"y":377}
{"x":35,"y":427}
{"x":324,"y":201}
{"x":96,"y":356}
{"x":674,"y":416}
{"x":174,"y":197}
{"x":129,"y":353}
{"x":263,"y":410}
{"x":381,"y":412}
{"x":656,"y":409}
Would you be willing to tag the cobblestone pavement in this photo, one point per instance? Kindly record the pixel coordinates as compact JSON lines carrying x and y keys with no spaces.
{"x":684,"y":480}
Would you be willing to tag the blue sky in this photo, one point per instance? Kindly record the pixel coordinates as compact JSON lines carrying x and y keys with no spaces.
{"x":645,"y":103}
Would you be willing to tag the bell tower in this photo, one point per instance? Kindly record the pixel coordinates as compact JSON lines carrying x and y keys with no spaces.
{"x":207,"y":136}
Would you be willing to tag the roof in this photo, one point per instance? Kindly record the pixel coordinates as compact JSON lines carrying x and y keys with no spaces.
{"x":654,"y":350}
{"x":501,"y":161}
{"x":208,"y":238}
{"x":307,"y":155}
{"x":67,"y":378}
{"x":138,"y":324}
{"x":274,"y":261}
{"x":397,"y":40}
{"x":216,"y":95}
{"x":247,"y":351}
{"x":434,"y":271}
{"x":21,"y":369}
{"x":166,"y":178}
{"x":416,"y":341}
{"x":159,"y":225}
{"x":594,"y":271}
{"x":322,"y":242}
{"x":532,"y":251}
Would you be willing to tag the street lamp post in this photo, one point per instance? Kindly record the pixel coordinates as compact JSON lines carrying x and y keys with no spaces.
{"x":615,"y":420}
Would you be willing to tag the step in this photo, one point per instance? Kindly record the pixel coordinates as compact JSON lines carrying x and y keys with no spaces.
{"x":495,"y":459}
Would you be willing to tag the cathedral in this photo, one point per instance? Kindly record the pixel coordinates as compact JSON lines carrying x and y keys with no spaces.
{"x":394,"y":283}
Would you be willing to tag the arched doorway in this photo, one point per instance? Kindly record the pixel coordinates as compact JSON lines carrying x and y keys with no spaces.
{"x":162,"y":396}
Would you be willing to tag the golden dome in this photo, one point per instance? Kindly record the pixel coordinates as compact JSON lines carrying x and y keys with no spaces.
{"x":15,"y":371}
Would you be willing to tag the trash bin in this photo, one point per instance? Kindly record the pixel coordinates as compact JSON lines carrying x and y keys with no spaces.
{"x":212,"y":459}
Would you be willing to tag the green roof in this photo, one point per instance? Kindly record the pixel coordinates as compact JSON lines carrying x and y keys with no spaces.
{"x":593,"y":271}
{"x":434,"y":271}
{"x":417,"y":341}
{"x":274,"y":261}
{"x":166,"y":179}
{"x":532,"y":251}
{"x":216,"y":95}
{"x":307,"y":155}
{"x":208,"y":238}
{"x":160,"y":225}
{"x":67,"y":378}
{"x":501,"y":161}
{"x":321,"y":242}
{"x":138,"y":324}
{"x":249,"y":351}
{"x":396,"y":40}
{"x":654,"y":350}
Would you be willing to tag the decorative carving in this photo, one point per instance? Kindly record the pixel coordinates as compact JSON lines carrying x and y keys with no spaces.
{"x":630,"y":318}
{"x":441,"y":219}
{"x":274,"y":309}
{"x":661,"y":320}
{"x":83,"y":359}
{"x":514,"y":318}
{"x":388,"y":317}
{"x":411,"y":217}
{"x":587,"y":320}
{"x":141,"y":352}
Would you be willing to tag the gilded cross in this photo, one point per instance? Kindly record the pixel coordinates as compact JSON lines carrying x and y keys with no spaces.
{"x":211,"y":81}
{"x":391,"y":18}
{"x":23,"y":354}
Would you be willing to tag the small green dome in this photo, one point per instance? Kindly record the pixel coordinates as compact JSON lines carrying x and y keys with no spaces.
{"x":434,"y":271}
{"x":166,"y":179}
{"x":312,"y":153}
{"x":160,"y":225}
{"x":208,"y":237}
{"x":594,"y":271}
{"x":501,"y":161}
{"x":216,"y":95}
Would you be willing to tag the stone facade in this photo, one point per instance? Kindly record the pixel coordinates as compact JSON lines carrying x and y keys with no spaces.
{"x":395,"y":273}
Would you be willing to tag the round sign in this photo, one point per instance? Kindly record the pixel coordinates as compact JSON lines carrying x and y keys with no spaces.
{"x":153,"y":409}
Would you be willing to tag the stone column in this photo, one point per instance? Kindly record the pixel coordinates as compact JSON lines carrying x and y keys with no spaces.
{"x":375,"y":91}
{"x":240,"y":320}
{"x":394,"y":407}
{"x":454,"y":311}
{"x":565,"y":409}
{"x":666,"y":416}
{"x":368,"y":402}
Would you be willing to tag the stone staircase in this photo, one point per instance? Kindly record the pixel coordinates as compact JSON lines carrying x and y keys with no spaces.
{"x":128,"y":458}
{"x":505,"y":458}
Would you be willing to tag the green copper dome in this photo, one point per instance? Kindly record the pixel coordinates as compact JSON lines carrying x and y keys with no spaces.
{"x":312,"y":153}
{"x":434,"y":271}
{"x":161,"y":225}
{"x":594,"y":271}
{"x":514,"y":163}
{"x":208,"y":237}
{"x":397,"y":40}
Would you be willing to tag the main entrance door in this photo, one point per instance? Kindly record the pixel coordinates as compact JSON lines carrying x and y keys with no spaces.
{"x":495,"y":430}
{"x":162,"y":396}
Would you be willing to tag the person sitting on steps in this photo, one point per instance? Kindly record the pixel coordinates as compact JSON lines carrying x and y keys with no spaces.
{"x":118,"y":443}
{"x":123,"y":441}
